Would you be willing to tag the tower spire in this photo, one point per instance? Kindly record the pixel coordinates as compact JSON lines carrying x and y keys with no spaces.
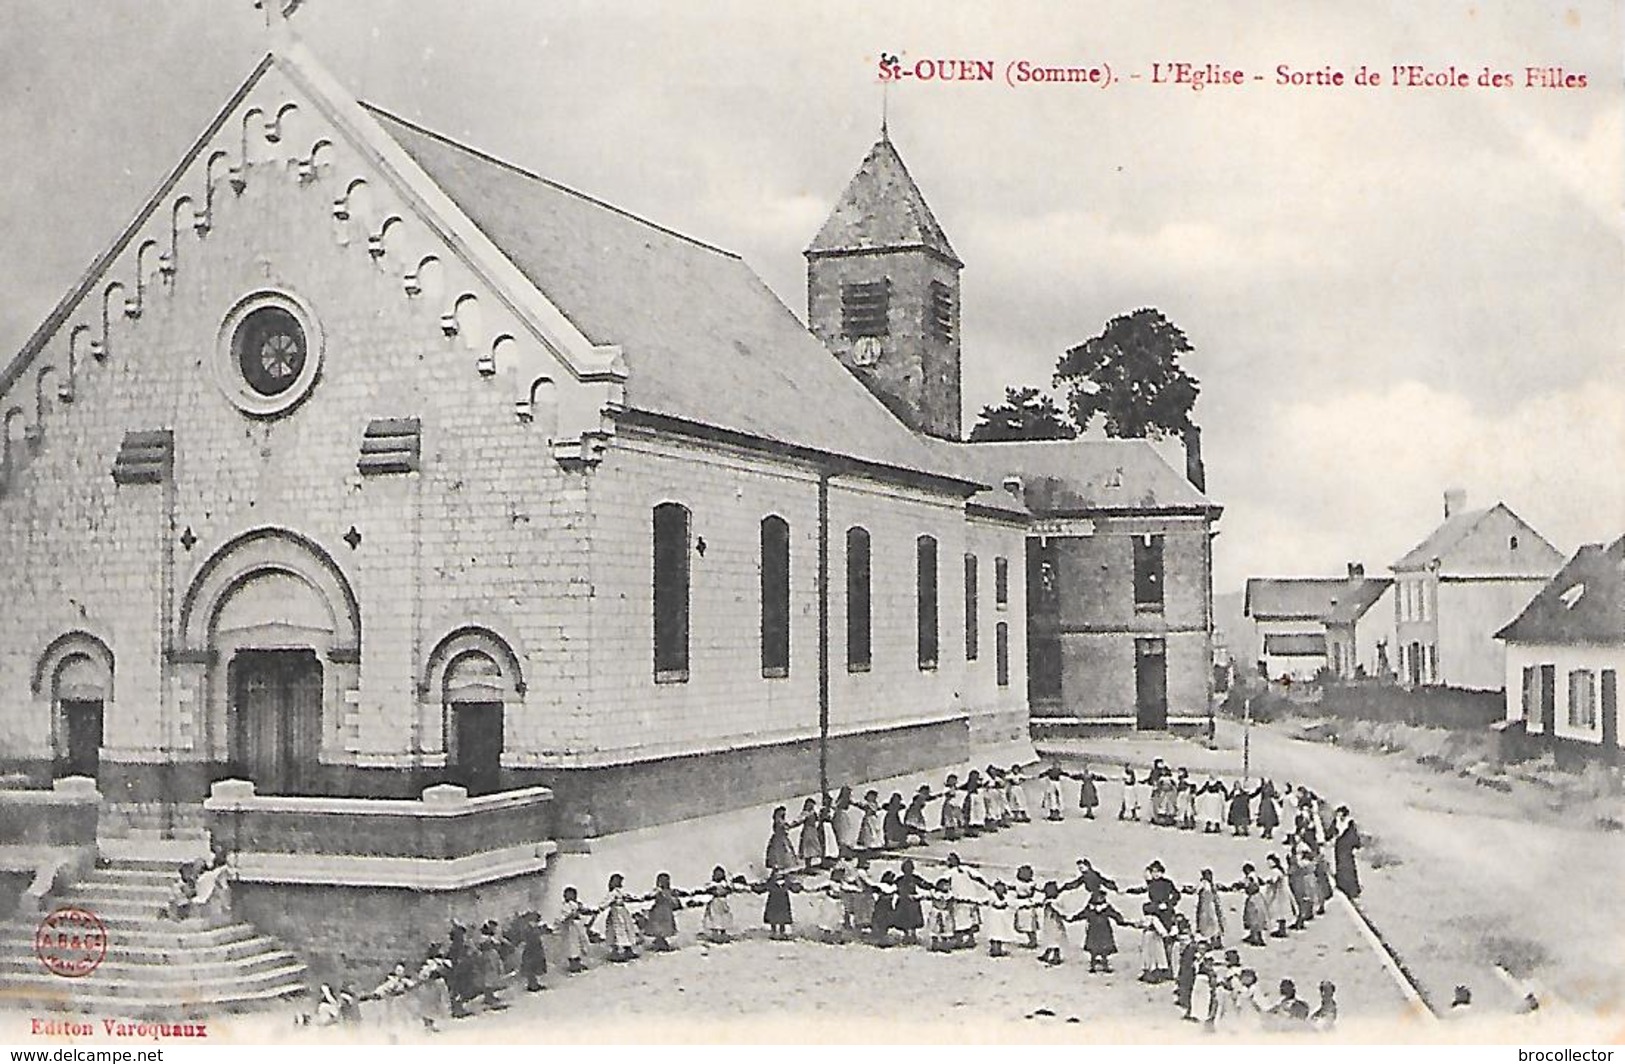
{"x":885,"y":99}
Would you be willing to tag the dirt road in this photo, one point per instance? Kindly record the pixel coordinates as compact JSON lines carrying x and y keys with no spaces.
{"x":1461,"y":881}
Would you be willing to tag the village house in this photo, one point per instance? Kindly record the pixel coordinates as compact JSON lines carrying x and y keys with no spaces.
{"x":1565,"y":651}
{"x":1309,"y":627}
{"x":1456,"y":588}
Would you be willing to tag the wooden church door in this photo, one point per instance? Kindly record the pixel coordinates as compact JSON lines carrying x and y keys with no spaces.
{"x":82,"y":719}
{"x":478,"y":758}
{"x":277,"y":717}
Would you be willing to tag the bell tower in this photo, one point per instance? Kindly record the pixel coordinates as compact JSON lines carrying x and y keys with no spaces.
{"x":883,"y":294}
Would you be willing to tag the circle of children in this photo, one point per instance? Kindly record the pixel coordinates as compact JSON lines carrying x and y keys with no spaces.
{"x":832,"y":868}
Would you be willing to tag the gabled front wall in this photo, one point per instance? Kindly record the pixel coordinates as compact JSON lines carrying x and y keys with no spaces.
{"x":489,"y":534}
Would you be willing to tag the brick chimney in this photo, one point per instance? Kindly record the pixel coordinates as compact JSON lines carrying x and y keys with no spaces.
{"x":1356,"y":572}
{"x":1194,"y":470}
{"x":1455,"y":501}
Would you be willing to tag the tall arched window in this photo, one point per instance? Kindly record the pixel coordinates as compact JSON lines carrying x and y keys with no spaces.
{"x":857,"y":600}
{"x":671,"y":533}
{"x":925,"y":554}
{"x":775,"y":597}
{"x":972,"y":641}
{"x":1001,"y":653}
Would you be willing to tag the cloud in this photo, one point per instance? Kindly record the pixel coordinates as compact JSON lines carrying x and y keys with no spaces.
{"x":1360,"y":476}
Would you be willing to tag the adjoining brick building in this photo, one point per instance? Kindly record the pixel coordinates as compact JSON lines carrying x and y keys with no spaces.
{"x":1118,"y":565}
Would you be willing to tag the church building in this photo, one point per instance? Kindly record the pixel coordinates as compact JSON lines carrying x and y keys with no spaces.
{"x":363,"y":462}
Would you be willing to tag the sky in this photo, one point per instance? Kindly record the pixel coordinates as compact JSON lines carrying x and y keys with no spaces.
{"x":1390,"y":290}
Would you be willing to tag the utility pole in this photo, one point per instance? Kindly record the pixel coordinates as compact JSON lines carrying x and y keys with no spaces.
{"x":1246,"y":737}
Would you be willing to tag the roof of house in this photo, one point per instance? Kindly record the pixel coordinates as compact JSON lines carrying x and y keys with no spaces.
{"x":1583,"y":603}
{"x":882,"y":208}
{"x":1332,"y":600}
{"x":1454,"y":529}
{"x":1351,"y":607}
{"x":1458,"y":528}
{"x":1073,"y":477}
{"x":705,"y":340}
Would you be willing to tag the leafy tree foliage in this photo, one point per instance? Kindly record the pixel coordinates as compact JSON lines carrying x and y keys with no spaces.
{"x":1025,"y":414}
{"x":1130,"y":377}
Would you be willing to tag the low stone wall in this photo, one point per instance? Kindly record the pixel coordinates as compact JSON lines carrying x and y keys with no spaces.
{"x":47,"y":839}
{"x":355,"y":884}
{"x":65,"y":815}
{"x":443,"y":841}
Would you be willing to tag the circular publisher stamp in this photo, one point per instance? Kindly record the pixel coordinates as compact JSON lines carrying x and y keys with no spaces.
{"x":71,"y":942}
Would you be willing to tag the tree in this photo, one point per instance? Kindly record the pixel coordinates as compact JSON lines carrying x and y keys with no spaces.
{"x":1026,"y":414}
{"x":1130,"y":377}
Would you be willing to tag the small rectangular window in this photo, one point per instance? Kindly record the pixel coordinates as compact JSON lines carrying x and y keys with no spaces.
{"x":865,"y":309}
{"x":1148,"y":573}
{"x":1001,"y":653}
{"x":972,"y":644}
{"x":1001,"y":582}
{"x":939,"y":313}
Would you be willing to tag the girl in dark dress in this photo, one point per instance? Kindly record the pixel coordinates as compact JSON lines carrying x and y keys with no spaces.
{"x":914,"y":823}
{"x":908,"y":917}
{"x":779,"y":854}
{"x":884,"y":912}
{"x":1088,"y":793}
{"x":892,"y":829}
{"x":533,"y":954}
{"x":1098,"y":941}
{"x":1269,"y":812}
{"x":1240,"y":818}
{"x":810,"y":846}
{"x":660,"y":922}
{"x":776,"y":914}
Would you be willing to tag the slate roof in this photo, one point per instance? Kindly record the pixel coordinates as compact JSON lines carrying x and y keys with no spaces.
{"x":1584,"y":603}
{"x":705,"y":340}
{"x":1352,"y":606}
{"x":1454,"y":529}
{"x":1458,"y":528}
{"x":1332,"y":600}
{"x":1076,"y":477}
{"x":882,"y":208}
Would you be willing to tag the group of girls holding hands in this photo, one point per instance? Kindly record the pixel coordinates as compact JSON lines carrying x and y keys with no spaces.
{"x":844,"y":827}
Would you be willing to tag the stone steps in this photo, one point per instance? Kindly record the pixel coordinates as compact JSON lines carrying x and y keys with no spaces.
{"x":152,"y":965}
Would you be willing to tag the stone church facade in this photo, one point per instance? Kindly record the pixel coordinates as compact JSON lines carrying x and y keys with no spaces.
{"x":363,"y":461}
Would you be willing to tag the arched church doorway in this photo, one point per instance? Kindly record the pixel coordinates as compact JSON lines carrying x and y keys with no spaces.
{"x":474,"y":690}
{"x":76,"y":672}
{"x":273,"y":630}
{"x":81,"y":693}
